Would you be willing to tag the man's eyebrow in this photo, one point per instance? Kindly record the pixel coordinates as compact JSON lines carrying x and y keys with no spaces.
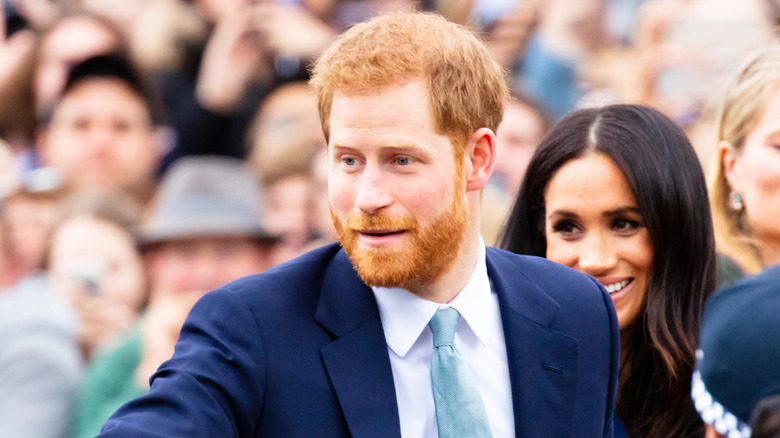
{"x":406,"y":148}
{"x":395,"y":146}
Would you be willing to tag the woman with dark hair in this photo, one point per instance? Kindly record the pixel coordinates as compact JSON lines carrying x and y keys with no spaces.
{"x":618,"y":193}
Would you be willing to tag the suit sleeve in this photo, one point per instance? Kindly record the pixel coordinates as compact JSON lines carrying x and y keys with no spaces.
{"x":212,"y":386}
{"x":614,"y":363}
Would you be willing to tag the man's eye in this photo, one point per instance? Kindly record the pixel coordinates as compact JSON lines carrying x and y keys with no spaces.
{"x":402,"y":161}
{"x":349,"y":161}
{"x":122,"y":126}
{"x":80,"y":124}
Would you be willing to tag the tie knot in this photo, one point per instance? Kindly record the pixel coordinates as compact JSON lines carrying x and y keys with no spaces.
{"x":443,"y":326}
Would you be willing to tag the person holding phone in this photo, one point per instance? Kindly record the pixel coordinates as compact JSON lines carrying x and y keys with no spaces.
{"x":96,"y":266}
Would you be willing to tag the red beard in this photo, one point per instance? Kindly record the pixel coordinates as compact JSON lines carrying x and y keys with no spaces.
{"x":421,"y":258}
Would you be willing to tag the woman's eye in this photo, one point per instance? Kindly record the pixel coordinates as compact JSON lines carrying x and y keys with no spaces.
{"x":565,"y":227}
{"x":349,"y":161}
{"x":402,"y":161}
{"x":625,"y":225}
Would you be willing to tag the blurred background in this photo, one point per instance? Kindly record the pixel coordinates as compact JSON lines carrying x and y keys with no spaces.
{"x":103,"y":102}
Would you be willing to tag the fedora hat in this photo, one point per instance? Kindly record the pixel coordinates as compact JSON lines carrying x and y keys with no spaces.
{"x":206,"y":196}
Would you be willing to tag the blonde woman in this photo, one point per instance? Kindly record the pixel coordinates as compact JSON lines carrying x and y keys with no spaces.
{"x":745,"y":184}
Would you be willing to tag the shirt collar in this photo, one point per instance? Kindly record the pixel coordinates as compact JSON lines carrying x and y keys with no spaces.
{"x":405,"y":315}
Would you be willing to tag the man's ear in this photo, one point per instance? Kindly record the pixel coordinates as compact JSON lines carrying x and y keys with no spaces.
{"x":732,"y":168}
{"x":480,"y":158}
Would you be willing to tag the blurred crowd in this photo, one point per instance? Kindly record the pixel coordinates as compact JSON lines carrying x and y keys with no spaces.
{"x":153,"y":150}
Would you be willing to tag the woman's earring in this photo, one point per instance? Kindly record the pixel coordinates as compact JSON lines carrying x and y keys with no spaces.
{"x":735,"y":201}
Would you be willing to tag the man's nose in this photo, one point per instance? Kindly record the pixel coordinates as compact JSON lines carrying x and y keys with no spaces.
{"x":206,"y":272}
{"x":598,"y":256}
{"x":374,"y":192}
{"x":102,"y":136}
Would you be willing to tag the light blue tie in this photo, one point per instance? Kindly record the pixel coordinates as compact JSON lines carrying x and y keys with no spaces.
{"x":459,"y":409}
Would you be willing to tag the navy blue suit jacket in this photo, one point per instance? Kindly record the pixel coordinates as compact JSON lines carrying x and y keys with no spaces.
{"x":299,"y":351}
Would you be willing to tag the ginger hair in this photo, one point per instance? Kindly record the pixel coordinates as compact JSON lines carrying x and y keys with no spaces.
{"x":467,"y":88}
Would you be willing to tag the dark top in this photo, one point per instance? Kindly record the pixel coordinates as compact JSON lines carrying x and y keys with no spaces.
{"x":299,"y":351}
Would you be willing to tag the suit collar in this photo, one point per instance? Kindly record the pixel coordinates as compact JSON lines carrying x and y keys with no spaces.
{"x":357,"y":361}
{"x":516,"y":291}
{"x":345,"y":303}
{"x":537,"y":356}
{"x":405,"y":315}
{"x":358,"y":364}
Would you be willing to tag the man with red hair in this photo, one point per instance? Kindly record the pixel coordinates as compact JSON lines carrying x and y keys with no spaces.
{"x":414,"y":328}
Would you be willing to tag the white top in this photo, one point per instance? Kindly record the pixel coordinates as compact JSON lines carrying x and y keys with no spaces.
{"x":479,"y":338}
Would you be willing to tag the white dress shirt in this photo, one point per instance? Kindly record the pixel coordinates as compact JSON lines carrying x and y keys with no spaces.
{"x":479,"y":337}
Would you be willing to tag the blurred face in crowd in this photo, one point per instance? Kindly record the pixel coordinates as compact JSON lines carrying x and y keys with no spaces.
{"x":73,"y":40}
{"x":29,"y":221}
{"x":397,"y":194}
{"x":101,"y":136}
{"x":204,"y":263}
{"x":286,"y":135}
{"x":754,"y":171}
{"x":516,"y":140}
{"x":287,"y":213}
{"x":288,"y":118}
{"x":593,"y":225}
{"x":100,"y":258}
{"x":321,"y":220}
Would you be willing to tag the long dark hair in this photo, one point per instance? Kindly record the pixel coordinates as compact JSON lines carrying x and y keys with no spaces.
{"x":666,"y":179}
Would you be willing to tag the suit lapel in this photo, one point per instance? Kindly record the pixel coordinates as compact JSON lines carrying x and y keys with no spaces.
{"x":357,"y":361}
{"x":542,"y":363}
